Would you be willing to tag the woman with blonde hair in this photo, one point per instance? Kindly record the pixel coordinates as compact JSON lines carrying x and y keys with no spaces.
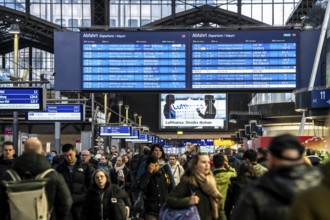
{"x":197,"y":187}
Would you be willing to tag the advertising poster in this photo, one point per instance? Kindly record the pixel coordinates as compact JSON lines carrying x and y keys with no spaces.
{"x":193,"y":111}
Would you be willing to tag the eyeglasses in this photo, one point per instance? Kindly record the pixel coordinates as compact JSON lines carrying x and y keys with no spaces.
{"x":85,"y":155}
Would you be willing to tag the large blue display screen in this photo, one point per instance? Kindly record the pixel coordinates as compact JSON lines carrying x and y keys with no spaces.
{"x":134,"y":60}
{"x":22,"y":99}
{"x":190,"y":60}
{"x":244,"y":59}
{"x":58,"y":112}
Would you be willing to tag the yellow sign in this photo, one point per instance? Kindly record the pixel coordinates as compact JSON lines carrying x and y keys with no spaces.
{"x":218,"y":142}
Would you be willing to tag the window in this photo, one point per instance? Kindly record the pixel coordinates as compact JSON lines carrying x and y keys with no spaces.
{"x":112,"y":23}
{"x":85,"y":22}
{"x":60,"y":22}
{"x":73,"y":23}
{"x":145,"y":21}
{"x":132,"y":22}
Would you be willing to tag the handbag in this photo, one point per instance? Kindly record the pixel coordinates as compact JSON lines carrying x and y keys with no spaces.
{"x":189,"y":213}
{"x":139,"y":203}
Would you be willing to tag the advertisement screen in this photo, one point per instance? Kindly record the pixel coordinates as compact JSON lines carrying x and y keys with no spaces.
{"x":193,"y":111}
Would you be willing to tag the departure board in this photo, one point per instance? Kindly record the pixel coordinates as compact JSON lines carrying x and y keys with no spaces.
{"x":59,"y":112}
{"x":22,"y":99}
{"x":134,"y":60}
{"x":115,"y":131}
{"x":244,"y":59}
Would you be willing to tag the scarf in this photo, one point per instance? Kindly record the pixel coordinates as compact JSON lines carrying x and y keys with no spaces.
{"x":120,"y":170}
{"x":208,"y":185}
{"x":161,"y":162}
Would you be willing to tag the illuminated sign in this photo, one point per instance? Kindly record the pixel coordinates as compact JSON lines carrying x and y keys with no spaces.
{"x":22,"y":99}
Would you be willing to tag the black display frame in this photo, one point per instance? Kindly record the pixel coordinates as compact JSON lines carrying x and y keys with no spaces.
{"x":257,"y":38}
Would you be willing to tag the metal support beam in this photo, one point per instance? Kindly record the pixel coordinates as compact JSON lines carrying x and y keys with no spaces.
{"x":316,"y":62}
{"x":57,"y":140}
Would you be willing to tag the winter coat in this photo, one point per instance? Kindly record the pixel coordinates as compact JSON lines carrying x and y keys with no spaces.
{"x":5,"y":165}
{"x":58,"y":194}
{"x":126,"y":185}
{"x":177,"y":172}
{"x":78,"y":181}
{"x":236,"y":188}
{"x":234,"y":162}
{"x":180,"y":196}
{"x":222,"y":177}
{"x":142,"y":170}
{"x":99,"y":203}
{"x":156,"y":188}
{"x":272,"y":194}
{"x":313,"y":203}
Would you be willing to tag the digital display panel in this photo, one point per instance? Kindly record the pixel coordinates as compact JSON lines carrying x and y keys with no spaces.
{"x":59,"y":112}
{"x":134,"y":135}
{"x":190,"y":60}
{"x":320,"y":98}
{"x":143,"y":138}
{"x":193,"y":111}
{"x":22,"y":99}
{"x":115,"y":131}
{"x":134,"y":60}
{"x":244,"y":59}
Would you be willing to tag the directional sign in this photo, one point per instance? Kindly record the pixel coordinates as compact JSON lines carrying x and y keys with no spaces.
{"x":115,"y":131}
{"x":320,"y":98}
{"x":22,"y":99}
{"x":134,"y":135}
{"x":59,"y":112}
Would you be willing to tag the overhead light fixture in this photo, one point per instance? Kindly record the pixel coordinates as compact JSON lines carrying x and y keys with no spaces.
{"x":14,"y":29}
{"x":233,"y":121}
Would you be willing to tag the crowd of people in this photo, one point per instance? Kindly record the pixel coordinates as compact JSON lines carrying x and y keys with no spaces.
{"x":278,"y":182}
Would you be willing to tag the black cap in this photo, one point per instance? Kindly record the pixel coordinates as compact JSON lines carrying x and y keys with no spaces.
{"x":285,"y":142}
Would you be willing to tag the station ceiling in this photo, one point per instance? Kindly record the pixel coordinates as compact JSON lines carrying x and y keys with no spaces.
{"x":39,"y":33}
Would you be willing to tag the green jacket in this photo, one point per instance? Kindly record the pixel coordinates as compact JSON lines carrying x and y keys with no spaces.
{"x":179,"y":198}
{"x":259,"y":169}
{"x":222,"y":177}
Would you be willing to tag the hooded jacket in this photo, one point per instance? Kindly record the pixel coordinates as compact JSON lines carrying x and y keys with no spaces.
{"x":58,"y":194}
{"x":222,"y":177}
{"x":271,"y":196}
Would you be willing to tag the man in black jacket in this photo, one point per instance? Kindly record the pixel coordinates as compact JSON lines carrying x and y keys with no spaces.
{"x":271,"y":196}
{"x":7,"y":158}
{"x":78,"y":176}
{"x":30,"y":164}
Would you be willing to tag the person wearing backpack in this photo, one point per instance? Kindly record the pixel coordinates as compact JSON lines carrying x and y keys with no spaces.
{"x":28,"y":166}
{"x":104,"y":200}
{"x":78,"y":176}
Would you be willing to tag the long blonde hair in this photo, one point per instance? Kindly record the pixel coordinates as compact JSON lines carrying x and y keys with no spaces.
{"x":190,"y":173}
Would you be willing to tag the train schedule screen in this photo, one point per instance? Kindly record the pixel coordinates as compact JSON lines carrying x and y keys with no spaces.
{"x":134,"y":60}
{"x":244,"y":59}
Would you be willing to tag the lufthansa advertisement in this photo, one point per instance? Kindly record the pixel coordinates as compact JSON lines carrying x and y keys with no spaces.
{"x":193,"y":111}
